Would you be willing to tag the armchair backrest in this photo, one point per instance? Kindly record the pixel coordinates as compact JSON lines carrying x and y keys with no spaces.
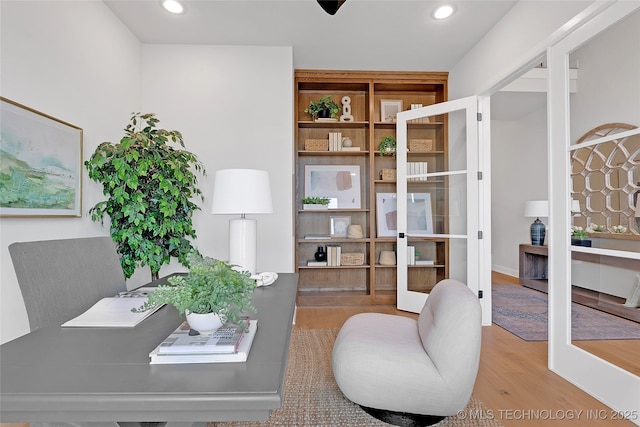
{"x":450,"y":327}
{"x":60,"y":279}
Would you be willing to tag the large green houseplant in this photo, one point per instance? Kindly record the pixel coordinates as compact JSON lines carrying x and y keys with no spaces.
{"x":324,"y":107}
{"x":210,"y":286}
{"x":149,"y":186}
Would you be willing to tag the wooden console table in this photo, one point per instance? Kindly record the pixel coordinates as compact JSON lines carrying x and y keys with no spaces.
{"x":533,"y":273}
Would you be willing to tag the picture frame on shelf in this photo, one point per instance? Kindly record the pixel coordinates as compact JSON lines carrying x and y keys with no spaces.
{"x":46,"y":158}
{"x":389,"y":109}
{"x":339,"y":226}
{"x":341,"y":182}
{"x":419,"y":214}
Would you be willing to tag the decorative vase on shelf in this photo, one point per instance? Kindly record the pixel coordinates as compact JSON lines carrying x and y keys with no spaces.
{"x":320,"y":254}
{"x":206,"y":323}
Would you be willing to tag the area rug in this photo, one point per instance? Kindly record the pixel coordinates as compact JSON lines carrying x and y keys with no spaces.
{"x":524,"y":311}
{"x":312,"y":397}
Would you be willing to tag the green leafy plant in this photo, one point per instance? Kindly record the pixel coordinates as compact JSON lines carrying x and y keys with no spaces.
{"x":324,"y":103}
{"x":388,"y":146}
{"x":211,"y":286}
{"x":578,"y":233}
{"x":149,"y":186}
{"x":315,"y":201}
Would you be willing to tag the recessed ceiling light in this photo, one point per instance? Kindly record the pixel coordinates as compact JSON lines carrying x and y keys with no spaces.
{"x":172,"y":6}
{"x":443,"y":12}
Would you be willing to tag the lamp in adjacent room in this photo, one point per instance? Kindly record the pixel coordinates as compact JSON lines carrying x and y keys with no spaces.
{"x":242,"y":192}
{"x":537,"y":209}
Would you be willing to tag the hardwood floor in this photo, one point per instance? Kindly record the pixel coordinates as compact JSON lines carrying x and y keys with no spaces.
{"x":513,"y":380}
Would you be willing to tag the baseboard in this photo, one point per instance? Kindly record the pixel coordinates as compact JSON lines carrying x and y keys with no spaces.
{"x":505,"y":270}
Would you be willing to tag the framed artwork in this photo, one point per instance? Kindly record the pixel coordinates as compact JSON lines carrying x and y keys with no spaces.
{"x":41,"y":166}
{"x":339,"y":225}
{"x":419,"y":216}
{"x":340,"y":182}
{"x":389,"y":110}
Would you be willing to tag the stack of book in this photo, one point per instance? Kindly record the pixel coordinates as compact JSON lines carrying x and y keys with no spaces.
{"x":334,"y":252}
{"x":230,"y":343}
{"x":416,"y":171}
{"x":335,"y":143}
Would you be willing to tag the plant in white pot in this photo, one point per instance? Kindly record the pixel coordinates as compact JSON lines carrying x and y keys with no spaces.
{"x":315,"y":203}
{"x":211,"y":289}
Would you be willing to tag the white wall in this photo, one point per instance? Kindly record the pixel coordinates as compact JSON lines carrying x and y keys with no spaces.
{"x":234,"y":107}
{"x":74,"y":61}
{"x":77,"y":62}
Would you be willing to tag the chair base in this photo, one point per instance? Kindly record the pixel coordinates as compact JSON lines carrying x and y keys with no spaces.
{"x":403,"y":419}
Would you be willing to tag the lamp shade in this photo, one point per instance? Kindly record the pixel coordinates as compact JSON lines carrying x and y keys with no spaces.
{"x":536,"y":208}
{"x":241,"y":191}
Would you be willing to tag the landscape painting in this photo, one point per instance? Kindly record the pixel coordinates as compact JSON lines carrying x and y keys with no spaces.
{"x":40,"y":163}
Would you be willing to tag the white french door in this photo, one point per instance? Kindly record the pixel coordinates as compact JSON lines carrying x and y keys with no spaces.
{"x":456,"y":193}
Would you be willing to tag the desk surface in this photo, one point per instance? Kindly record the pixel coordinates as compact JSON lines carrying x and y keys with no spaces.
{"x":86,"y":374}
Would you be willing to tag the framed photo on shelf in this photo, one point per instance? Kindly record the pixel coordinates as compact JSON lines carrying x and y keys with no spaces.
{"x":389,"y":110}
{"x":339,"y":225}
{"x":341,"y":182}
{"x":43,"y":158}
{"x":419,"y":215}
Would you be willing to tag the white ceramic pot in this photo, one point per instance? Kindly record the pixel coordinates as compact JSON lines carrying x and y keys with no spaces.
{"x":204,"y":323}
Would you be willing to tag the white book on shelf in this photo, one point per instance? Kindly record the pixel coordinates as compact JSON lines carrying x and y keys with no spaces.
{"x":115,"y":312}
{"x":241,"y":355}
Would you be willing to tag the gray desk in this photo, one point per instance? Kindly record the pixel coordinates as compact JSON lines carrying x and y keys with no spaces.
{"x":59,"y":374}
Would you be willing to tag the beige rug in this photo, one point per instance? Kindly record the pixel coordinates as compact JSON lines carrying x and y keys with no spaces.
{"x":312,"y":397}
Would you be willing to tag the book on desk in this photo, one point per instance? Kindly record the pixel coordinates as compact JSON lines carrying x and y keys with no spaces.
{"x":115,"y":312}
{"x":168,"y":353}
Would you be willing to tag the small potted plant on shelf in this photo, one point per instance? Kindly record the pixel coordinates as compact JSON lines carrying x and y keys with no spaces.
{"x":579,"y":237}
{"x":315,"y":203}
{"x":324,"y":108}
{"x":619,"y":229}
{"x":595,"y":228}
{"x":211,"y":294}
{"x":388,"y":146}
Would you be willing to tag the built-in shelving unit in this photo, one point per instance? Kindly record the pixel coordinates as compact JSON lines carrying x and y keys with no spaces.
{"x":369,"y":282}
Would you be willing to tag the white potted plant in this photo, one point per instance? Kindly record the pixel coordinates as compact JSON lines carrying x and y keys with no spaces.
{"x":315,"y":203}
{"x":211,"y":292}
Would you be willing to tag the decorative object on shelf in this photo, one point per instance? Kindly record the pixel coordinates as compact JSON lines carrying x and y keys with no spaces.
{"x":536,"y":209}
{"x":420,"y":145}
{"x":242,"y":192}
{"x":355,"y":232}
{"x":316,"y":144}
{"x":210,"y":286}
{"x":324,"y":108}
{"x":162,"y":201}
{"x":579,"y":237}
{"x":42,"y":160}
{"x":334,"y":181}
{"x":389,"y":110}
{"x":387,"y":258}
{"x":352,"y":258}
{"x":387,"y":146}
{"x":346,"y":110}
{"x":619,"y":229}
{"x":595,"y":228}
{"x":346,"y":142}
{"x":419,"y":216}
{"x":339,"y":226}
{"x":315,"y":203}
{"x":320,"y":255}
{"x":388,"y":174}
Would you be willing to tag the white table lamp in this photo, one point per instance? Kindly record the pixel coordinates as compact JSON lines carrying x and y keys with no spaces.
{"x":242,"y":192}
{"x":536,"y":209}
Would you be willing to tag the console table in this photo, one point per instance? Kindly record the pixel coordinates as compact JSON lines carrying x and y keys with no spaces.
{"x":57,"y":374}
{"x":533,"y":274}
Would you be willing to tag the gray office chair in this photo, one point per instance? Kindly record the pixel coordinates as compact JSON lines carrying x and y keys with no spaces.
{"x":60,"y":279}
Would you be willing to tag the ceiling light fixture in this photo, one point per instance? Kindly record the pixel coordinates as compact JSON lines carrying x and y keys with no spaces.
{"x":330,"y":6}
{"x":443,"y":12}
{"x":173,"y":6}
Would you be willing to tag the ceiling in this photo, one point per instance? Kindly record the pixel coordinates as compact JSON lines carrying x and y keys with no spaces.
{"x":363,"y":34}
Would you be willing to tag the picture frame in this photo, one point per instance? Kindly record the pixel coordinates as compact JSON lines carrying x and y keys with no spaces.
{"x":341,"y":182}
{"x":42,"y":158}
{"x":419,"y":214}
{"x":339,"y":225}
{"x":389,"y":109}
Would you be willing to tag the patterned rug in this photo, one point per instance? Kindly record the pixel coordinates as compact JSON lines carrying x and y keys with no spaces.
{"x":523,"y":312}
{"x":312,"y":397}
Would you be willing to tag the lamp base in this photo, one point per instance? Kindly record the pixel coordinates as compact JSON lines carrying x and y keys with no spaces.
{"x":242,"y":243}
{"x":537,"y":232}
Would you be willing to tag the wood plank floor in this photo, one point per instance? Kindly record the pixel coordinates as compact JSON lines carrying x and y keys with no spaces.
{"x":513,"y":380}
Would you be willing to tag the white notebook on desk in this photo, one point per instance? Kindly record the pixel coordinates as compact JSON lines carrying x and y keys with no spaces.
{"x":114,"y":312}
